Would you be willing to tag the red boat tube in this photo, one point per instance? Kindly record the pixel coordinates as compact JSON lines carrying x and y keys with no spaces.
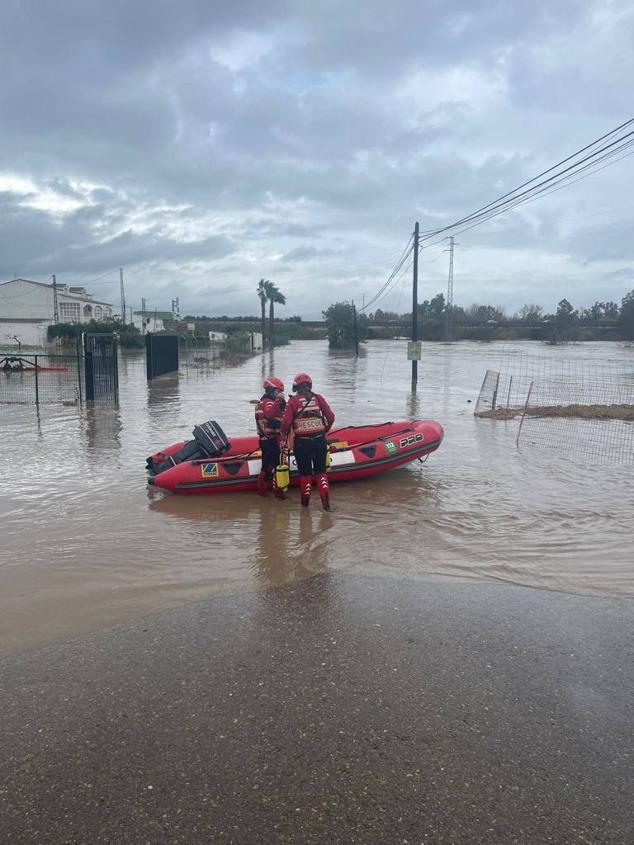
{"x":356,"y":452}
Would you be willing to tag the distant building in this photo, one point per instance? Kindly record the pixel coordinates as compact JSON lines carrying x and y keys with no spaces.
{"x":253,"y":340}
{"x":151,"y":321}
{"x":27,"y":310}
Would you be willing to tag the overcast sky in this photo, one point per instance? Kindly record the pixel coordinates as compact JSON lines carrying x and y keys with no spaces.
{"x":203,"y":145}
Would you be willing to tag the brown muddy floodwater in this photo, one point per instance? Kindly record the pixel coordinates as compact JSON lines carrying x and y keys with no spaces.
{"x":84,"y":542}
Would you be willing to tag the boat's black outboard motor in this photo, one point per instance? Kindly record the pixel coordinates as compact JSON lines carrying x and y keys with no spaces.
{"x":209,"y":441}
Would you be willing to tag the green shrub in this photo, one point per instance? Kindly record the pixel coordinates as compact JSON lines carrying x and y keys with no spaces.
{"x":129,"y":336}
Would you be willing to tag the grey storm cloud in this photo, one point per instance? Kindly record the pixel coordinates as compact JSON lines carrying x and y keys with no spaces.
{"x":204,"y":145}
{"x":74,"y":246}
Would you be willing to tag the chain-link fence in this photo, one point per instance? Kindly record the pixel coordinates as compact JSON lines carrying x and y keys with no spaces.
{"x":591,"y":420}
{"x":594,"y":421}
{"x":502,"y":395}
{"x":42,"y":378}
{"x":545,"y":364}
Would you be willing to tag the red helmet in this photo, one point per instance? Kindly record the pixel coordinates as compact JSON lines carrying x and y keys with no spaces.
{"x":302,"y":378}
{"x":272,"y":383}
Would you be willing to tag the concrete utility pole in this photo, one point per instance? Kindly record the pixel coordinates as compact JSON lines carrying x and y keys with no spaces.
{"x":356,"y":330}
{"x":449,"y":303}
{"x":415,"y":305}
{"x":55,"y":305}
{"x":122,"y":294}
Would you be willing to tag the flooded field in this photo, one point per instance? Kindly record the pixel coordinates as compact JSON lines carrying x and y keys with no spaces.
{"x":85,"y":543}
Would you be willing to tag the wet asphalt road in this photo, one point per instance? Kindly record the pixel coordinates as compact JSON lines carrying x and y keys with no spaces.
{"x":340,"y":710}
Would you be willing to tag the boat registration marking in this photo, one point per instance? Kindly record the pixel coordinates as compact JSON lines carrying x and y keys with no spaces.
{"x":409,"y":441}
{"x":390,"y":447}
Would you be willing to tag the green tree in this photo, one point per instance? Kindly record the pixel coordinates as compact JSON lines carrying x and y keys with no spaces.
{"x":431,"y":317}
{"x":531,"y":313}
{"x":274,"y":295}
{"x":601,"y":311}
{"x":129,"y":336}
{"x":595,"y":312}
{"x":381,"y":316}
{"x":566,"y":316}
{"x":626,"y":320}
{"x":339,"y":319}
{"x":484,"y":313}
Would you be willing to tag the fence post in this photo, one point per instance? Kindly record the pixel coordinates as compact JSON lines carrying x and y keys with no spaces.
{"x":88,"y":370}
{"x":519,"y":431}
{"x":78,"y":357}
{"x":37,"y":383}
{"x":115,"y":364}
{"x":495,"y":394}
{"x":481,"y":394}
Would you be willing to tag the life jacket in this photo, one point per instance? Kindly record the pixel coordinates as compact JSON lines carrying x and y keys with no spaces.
{"x":309,"y":419}
{"x":267,"y":427}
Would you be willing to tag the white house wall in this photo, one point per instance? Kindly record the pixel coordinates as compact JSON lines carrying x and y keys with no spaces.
{"x":25,"y":301}
{"x":151,"y":324}
{"x":26,"y":310}
{"x":29,"y":334}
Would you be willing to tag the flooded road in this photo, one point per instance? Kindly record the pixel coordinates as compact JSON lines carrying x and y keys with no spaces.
{"x":85,"y":543}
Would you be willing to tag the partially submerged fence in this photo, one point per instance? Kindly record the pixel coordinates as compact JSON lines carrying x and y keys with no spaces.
{"x":502,"y":395}
{"x":42,"y":378}
{"x":593,"y":420}
{"x":545,"y":363}
{"x":88,"y":370}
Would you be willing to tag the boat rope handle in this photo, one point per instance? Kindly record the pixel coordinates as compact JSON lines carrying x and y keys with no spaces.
{"x":247,"y":455}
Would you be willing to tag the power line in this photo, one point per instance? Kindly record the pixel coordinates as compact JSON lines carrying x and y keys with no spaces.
{"x":568,"y":180}
{"x":564,"y":181}
{"x":521,"y":195}
{"x":401,"y":277}
{"x":512,"y":198}
{"x":103,"y":276}
{"x":386,"y":284}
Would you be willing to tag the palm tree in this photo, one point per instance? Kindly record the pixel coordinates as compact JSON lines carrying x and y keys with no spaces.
{"x":262,"y":292}
{"x":274,"y":295}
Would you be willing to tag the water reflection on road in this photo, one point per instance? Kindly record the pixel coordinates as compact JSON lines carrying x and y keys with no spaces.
{"x":85,"y":543}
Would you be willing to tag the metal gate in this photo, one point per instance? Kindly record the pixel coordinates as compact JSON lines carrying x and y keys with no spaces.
{"x":100,"y":367}
{"x":162,"y":354}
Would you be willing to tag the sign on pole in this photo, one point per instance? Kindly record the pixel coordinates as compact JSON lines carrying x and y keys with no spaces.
{"x":414,"y":350}
{"x":191,"y":327}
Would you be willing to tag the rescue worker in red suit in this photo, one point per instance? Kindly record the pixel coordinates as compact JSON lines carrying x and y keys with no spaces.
{"x":309,"y":417}
{"x":268,"y":417}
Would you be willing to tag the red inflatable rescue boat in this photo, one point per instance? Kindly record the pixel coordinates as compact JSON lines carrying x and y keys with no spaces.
{"x":356,"y":452}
